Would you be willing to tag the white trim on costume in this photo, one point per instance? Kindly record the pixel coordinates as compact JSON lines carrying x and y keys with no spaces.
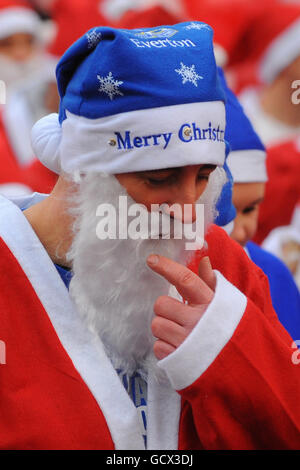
{"x":211,"y":334}
{"x":248,"y":166}
{"x":14,"y":189}
{"x":163,"y":415}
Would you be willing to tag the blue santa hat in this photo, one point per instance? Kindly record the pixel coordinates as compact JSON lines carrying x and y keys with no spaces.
{"x":245,"y":156}
{"x":136,"y":100}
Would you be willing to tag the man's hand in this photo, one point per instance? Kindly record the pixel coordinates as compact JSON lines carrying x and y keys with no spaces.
{"x":175,"y":320}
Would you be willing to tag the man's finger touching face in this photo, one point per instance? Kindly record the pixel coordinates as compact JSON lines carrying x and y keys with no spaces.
{"x":174,"y":320}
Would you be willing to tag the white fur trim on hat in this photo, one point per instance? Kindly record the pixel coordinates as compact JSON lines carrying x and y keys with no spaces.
{"x":45,"y":140}
{"x":248,"y":166}
{"x":221,"y":55}
{"x":19,"y":20}
{"x":147,"y":139}
{"x":281,"y":52}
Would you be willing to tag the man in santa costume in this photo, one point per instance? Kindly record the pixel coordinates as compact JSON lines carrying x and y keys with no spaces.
{"x":276,"y":55}
{"x":20,"y":42}
{"x":274,"y":109}
{"x":71,"y":18}
{"x":282,"y":188}
{"x":28,"y":74}
{"x":120,"y":361}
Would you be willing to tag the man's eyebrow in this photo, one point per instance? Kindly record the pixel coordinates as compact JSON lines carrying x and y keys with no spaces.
{"x":162,"y":170}
{"x":257,"y":201}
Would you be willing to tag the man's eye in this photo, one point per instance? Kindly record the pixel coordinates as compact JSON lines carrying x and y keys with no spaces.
{"x":202,"y":177}
{"x":161,"y":181}
{"x":155,"y":182}
{"x":249,"y":209}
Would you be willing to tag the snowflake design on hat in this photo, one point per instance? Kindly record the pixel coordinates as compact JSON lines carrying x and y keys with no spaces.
{"x":188,"y":74}
{"x":93,"y":38}
{"x":194,"y":25}
{"x":110,"y":86}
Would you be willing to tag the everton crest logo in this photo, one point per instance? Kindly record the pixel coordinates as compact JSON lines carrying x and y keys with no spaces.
{"x":157,"y":33}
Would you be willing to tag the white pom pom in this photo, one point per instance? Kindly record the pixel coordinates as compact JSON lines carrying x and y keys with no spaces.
{"x":45,"y":140}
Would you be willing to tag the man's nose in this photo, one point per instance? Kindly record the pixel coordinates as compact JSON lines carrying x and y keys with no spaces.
{"x":239,"y":234}
{"x":183,"y":206}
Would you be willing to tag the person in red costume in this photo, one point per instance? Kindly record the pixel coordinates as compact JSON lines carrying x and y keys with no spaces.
{"x":16,"y":180}
{"x":282,"y":189}
{"x":272,"y":102}
{"x":148,"y":17}
{"x":22,"y":68}
{"x":72,"y":19}
{"x":233,"y":22}
{"x":137,"y":343}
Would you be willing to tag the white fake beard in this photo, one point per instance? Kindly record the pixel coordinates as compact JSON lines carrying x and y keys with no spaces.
{"x":14,"y":73}
{"x":113,"y":288}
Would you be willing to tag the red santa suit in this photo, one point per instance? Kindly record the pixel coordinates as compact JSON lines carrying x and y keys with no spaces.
{"x":149,"y":17}
{"x":275,"y":46}
{"x":72,"y":19}
{"x":282,"y":189}
{"x":232,"y":382}
{"x":233,"y":22}
{"x":16,"y":179}
{"x":20,"y":172}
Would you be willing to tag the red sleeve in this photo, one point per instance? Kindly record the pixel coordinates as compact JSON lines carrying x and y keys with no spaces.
{"x":248,"y":397}
{"x":73,"y":18}
{"x":39,"y":178}
{"x":231,"y":260}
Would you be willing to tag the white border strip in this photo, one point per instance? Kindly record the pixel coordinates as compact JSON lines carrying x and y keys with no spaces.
{"x":85,"y":143}
{"x":281,"y":52}
{"x":194,"y":356}
{"x":248,"y":166}
{"x":163,"y":416}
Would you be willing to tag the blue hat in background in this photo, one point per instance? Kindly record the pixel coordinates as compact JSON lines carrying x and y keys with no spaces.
{"x":136,"y":100}
{"x":245,"y":156}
